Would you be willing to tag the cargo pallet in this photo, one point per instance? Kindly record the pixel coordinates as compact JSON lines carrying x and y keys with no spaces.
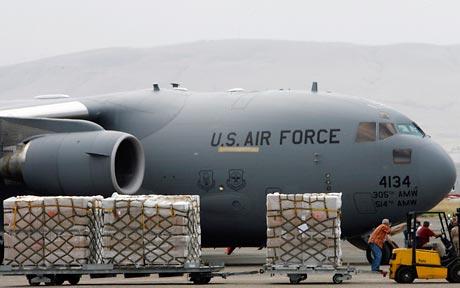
{"x":198,"y":274}
{"x":299,"y":272}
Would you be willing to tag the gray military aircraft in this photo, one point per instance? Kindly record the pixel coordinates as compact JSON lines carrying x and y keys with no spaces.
{"x":231,"y":148}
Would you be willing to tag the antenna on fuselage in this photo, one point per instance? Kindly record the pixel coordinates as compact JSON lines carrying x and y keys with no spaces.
{"x":156,"y":87}
{"x":175,"y":85}
{"x":314,"y":87}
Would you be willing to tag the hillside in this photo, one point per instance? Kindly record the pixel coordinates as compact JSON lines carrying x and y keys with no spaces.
{"x":420,"y":80}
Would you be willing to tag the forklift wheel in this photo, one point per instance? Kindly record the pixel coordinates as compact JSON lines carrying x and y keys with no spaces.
{"x":405,"y":274}
{"x":453,"y":274}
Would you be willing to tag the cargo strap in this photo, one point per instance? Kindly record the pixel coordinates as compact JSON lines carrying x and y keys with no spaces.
{"x":309,"y":244}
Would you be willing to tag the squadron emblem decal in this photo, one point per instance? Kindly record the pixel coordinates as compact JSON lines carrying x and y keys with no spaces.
{"x":236,"y":179}
{"x":206,"y":180}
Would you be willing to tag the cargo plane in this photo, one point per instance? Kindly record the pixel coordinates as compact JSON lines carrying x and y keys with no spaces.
{"x":231,"y":148}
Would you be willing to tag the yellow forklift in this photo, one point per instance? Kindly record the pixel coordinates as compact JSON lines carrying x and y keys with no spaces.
{"x":408,"y":264}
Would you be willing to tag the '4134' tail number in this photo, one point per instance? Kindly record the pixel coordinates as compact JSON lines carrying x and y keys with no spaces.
{"x":394,"y":181}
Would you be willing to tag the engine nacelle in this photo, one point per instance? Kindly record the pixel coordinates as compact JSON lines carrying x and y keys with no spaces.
{"x":82,"y":163}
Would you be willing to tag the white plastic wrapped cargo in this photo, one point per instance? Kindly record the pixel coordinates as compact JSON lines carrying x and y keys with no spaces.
{"x":52,"y":231}
{"x":152,"y":230}
{"x":304,"y":229}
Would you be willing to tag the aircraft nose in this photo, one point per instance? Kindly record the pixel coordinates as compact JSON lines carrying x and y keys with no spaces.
{"x":438,"y":173}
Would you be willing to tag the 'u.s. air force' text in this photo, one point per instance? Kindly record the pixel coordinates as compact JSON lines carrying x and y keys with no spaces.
{"x":267,"y":138}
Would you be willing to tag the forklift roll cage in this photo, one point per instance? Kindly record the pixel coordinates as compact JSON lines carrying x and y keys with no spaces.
{"x":445,"y":233}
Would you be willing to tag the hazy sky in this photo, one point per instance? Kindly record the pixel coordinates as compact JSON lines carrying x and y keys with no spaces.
{"x":35,"y":29}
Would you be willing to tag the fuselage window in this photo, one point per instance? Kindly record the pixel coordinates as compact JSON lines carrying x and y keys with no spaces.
{"x":366,"y":132}
{"x":386,"y":130}
{"x":410,"y":129}
{"x":402,"y":156}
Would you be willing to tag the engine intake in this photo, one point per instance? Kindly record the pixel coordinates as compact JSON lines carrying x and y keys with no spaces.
{"x":83,"y":163}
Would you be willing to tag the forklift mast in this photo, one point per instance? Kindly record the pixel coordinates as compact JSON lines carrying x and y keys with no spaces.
{"x":457,"y":214}
{"x":412,"y":230}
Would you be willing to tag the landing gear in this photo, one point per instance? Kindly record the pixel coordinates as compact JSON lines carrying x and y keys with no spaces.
{"x":386,"y":254}
{"x":360,"y":242}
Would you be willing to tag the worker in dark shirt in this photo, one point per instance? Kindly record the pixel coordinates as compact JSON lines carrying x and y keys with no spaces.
{"x":423,"y":238}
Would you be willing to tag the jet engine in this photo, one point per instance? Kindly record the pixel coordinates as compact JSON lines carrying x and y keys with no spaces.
{"x":79,"y":163}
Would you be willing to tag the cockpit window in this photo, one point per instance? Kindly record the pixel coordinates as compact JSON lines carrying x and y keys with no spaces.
{"x":386,"y":130}
{"x":419,"y":129}
{"x":410,"y":129}
{"x":366,"y":132}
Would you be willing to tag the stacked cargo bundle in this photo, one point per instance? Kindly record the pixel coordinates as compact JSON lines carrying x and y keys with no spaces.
{"x":304,"y":229}
{"x":52,"y":231}
{"x":146,"y":230}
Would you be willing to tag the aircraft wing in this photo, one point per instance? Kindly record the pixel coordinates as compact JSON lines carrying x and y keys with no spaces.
{"x":14,"y":130}
{"x":64,"y":109}
{"x":22,"y":119}
{"x":50,"y":147}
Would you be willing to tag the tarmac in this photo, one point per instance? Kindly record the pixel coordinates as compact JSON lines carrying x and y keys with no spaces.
{"x":252,"y":259}
{"x":248,"y":259}
{"x":314,"y":280}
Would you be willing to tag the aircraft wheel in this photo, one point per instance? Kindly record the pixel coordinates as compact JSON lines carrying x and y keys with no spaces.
{"x":405,"y":274}
{"x":386,"y":254}
{"x":453,"y":273}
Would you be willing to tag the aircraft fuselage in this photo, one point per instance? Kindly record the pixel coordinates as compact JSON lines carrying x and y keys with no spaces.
{"x":234,"y":148}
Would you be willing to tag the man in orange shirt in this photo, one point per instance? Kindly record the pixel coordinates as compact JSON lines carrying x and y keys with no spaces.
{"x":376,"y":240}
